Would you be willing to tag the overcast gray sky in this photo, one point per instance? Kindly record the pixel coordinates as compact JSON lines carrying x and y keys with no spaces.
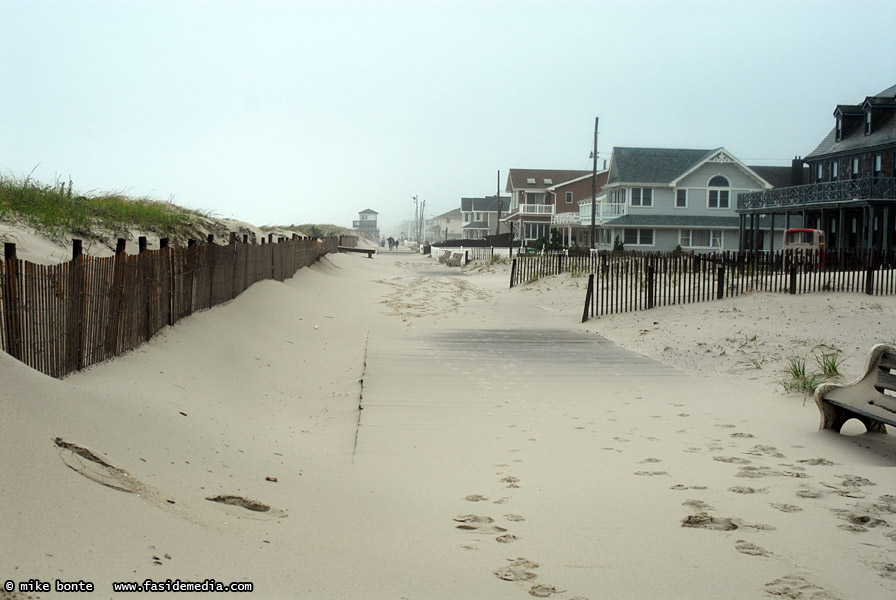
{"x":279,"y":112}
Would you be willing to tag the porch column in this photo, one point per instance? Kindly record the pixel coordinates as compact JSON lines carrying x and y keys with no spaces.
{"x":841,"y":228}
{"x":885,"y":230}
{"x":771,"y":231}
{"x":868,"y":215}
{"x":754,"y":231}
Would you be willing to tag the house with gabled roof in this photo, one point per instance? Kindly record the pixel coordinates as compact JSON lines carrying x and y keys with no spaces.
{"x":449,"y":225}
{"x":533,"y":201}
{"x":480,"y":215}
{"x":664,"y":198}
{"x":850,"y":192}
{"x":572,"y":206}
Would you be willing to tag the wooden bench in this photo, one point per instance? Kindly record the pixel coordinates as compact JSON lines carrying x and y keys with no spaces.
{"x":369,"y":251}
{"x":871,"y":398}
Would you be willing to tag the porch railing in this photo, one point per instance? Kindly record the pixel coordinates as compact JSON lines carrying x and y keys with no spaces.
{"x":878,"y":188}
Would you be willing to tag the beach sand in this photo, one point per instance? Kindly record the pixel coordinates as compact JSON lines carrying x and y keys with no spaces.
{"x":501,"y":449}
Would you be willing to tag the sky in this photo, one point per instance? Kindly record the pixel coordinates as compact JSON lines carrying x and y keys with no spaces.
{"x":280,"y":112}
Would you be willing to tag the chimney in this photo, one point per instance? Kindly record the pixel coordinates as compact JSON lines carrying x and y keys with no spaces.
{"x":796,"y":171}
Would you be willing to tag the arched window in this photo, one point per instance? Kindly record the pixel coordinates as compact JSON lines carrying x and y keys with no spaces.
{"x":718,"y":198}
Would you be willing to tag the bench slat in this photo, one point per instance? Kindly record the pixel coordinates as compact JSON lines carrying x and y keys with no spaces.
{"x":886,"y":380}
{"x":888,"y":361}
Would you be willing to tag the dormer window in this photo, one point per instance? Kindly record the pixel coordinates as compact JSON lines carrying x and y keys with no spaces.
{"x":868,"y":122}
{"x":548,"y":181}
{"x":530,"y":181}
{"x":839,"y":129}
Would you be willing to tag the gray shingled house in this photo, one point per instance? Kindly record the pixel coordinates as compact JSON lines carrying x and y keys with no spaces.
{"x":664,"y":198}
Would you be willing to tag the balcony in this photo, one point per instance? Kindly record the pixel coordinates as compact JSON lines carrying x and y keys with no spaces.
{"x":536,"y":209}
{"x":829,"y":192}
{"x":604,"y":212}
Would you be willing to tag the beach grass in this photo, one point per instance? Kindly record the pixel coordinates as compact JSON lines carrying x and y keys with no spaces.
{"x":55,"y":210}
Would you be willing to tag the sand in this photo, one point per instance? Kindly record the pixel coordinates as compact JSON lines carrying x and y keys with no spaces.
{"x":501,"y":448}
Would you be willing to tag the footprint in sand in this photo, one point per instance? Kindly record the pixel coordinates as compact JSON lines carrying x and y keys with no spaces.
{"x":746,"y":547}
{"x":257,"y":510}
{"x":680,"y":487}
{"x":475,"y":498}
{"x":742,"y":489}
{"x":784,"y":507}
{"x":513,"y":482}
{"x":651,"y":473}
{"x":516,"y":570}
{"x":817,"y":461}
{"x":796,"y":586}
{"x":703,"y":520}
{"x":513,"y":517}
{"x":479,"y":524}
{"x":506,"y":538}
{"x":696,"y":504}
{"x":543,"y":591}
{"x":732,"y":460}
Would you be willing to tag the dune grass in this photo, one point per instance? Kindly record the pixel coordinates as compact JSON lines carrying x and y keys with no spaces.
{"x":55,"y":210}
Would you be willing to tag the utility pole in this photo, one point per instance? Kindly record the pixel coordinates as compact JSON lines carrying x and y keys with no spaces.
{"x":594,"y":183}
{"x":416,"y":220}
{"x":498,"y":197}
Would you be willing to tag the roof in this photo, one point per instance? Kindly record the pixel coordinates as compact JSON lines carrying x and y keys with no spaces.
{"x":367,"y":211}
{"x":653,"y":165}
{"x":451,"y":214}
{"x":780,"y":176}
{"x":539,"y":178}
{"x":854,"y":138}
{"x":487,"y":204}
{"x":667,"y":166}
{"x":476,"y":225}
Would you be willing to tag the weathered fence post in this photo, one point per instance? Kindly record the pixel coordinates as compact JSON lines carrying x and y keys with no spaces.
{"x":12,"y":316}
{"x":720,"y":283}
{"x":116,"y":300}
{"x":78,"y":332}
{"x":512,"y":272}
{"x":651,"y":274}
{"x":869,"y":278}
{"x":792,"y":277}
{"x":588,"y":296}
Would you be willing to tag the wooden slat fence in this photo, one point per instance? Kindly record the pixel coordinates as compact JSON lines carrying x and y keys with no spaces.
{"x":61,"y":318}
{"x":636,"y":281}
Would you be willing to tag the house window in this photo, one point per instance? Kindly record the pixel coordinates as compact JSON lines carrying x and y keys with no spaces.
{"x":681,"y":199}
{"x":835,"y":170}
{"x":617,"y":197}
{"x":569,"y":197}
{"x":642,"y":197}
{"x":839,"y":129}
{"x":478,"y":217}
{"x":868,"y":122}
{"x":638,"y":237}
{"x":718,"y":198}
{"x":535,"y":230}
{"x":855,"y":168}
{"x":819,"y":172}
{"x":878,"y":165}
{"x":700,"y":238}
{"x":466,"y":217}
{"x":534,"y":198}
